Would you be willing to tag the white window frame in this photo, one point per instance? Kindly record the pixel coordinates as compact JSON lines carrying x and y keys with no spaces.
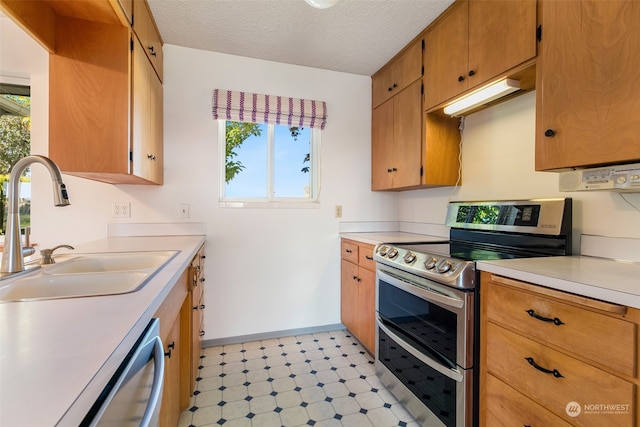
{"x":270,"y":201}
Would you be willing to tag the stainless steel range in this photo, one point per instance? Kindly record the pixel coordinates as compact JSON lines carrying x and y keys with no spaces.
{"x":427,"y":301}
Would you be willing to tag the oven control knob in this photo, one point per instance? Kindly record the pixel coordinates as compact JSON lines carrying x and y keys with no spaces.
{"x":430,"y":263}
{"x":382,"y":250}
{"x":446,"y":266}
{"x":409,"y":257}
{"x":392,"y":253}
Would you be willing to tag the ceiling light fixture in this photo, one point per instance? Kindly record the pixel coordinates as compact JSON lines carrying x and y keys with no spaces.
{"x":482,"y":96}
{"x":321,"y":4}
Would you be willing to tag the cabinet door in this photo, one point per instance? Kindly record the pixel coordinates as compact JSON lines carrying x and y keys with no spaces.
{"x":588,"y":88}
{"x":145,"y":28}
{"x":170,"y":409}
{"x":89,"y":98}
{"x":446,"y":57}
{"x":146,"y":120}
{"x":382,"y":146}
{"x":407,"y":136}
{"x":349,"y":295}
{"x":502,"y":35}
{"x":367,"y":308}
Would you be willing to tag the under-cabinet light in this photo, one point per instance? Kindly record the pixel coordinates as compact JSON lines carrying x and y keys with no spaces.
{"x":321,"y":4}
{"x":482,"y":96}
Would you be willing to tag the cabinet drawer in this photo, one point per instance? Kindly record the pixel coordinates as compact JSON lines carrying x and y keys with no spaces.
{"x":520,"y":362}
{"x":582,"y":332}
{"x":349,"y":251}
{"x":365,"y":257}
{"x":506,"y":407}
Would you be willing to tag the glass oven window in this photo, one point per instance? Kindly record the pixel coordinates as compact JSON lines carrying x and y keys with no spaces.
{"x":422,"y":324}
{"x":435,"y":390}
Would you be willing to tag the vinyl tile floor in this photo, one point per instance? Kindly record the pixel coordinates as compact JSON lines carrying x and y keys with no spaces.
{"x":321,"y":379}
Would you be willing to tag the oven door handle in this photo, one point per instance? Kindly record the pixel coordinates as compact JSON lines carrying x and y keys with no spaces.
{"x":421,"y":291}
{"x":455,"y":375}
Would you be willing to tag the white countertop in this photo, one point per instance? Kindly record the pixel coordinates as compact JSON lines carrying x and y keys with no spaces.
{"x":373,"y":238}
{"x":59,"y":354}
{"x":601,"y":278}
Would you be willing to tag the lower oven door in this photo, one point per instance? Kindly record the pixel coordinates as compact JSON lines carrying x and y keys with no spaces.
{"x":424,"y":350}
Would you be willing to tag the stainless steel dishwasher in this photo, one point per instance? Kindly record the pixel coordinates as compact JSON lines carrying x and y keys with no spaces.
{"x":133,"y":395}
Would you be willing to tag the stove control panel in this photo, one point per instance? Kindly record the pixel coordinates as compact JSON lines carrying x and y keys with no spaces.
{"x":446,"y":270}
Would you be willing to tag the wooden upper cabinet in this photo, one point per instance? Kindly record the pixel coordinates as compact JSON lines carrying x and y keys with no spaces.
{"x":89,"y":98}
{"x":105,"y":99}
{"x":146,"y":122}
{"x":396,"y":140}
{"x":145,"y":28}
{"x":403,"y":70}
{"x":588,"y":84}
{"x":474,"y":42}
{"x":446,"y":56}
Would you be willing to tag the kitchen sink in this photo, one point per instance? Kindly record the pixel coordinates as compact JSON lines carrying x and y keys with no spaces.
{"x":85,"y":275}
{"x":114,"y":261}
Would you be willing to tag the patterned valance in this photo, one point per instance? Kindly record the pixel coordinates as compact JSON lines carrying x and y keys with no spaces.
{"x":278,"y":110}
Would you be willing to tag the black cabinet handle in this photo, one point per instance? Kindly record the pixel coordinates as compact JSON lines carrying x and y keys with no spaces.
{"x":394,"y":169}
{"x":389,"y":170}
{"x":202,"y":306}
{"x":472,"y":73}
{"x":348,"y":251}
{"x":203,"y":256}
{"x":202,"y":279}
{"x":549,"y":133}
{"x":553,"y":372}
{"x":201,"y":333}
{"x":152,"y":50}
{"x":555,"y":320}
{"x":170,"y":347}
{"x":460,"y":78}
{"x":370,"y":258}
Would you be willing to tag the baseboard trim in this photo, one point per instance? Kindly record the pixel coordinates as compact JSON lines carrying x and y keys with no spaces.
{"x":270,"y":335}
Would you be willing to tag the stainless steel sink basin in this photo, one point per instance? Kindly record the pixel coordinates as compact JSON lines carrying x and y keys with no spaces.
{"x":86,"y":275}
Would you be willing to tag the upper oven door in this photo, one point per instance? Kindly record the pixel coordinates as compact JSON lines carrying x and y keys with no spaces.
{"x":435,"y":319}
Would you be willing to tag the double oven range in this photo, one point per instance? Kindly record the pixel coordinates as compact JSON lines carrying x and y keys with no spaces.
{"x":427,"y":301}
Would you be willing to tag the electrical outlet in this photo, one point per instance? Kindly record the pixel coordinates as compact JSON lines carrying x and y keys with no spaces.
{"x":121,"y":210}
{"x":183,"y":210}
{"x":338,"y":211}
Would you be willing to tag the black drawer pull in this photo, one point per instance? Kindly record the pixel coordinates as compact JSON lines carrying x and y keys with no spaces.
{"x":370,"y":258}
{"x":555,"y":320}
{"x":201,"y":333}
{"x":533,"y":363}
{"x":170,"y":347}
{"x":348,"y":251}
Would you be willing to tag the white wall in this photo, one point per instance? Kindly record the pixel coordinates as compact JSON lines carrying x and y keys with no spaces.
{"x":498,"y":163}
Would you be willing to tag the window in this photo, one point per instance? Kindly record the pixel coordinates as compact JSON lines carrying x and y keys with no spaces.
{"x":271,"y":148}
{"x":15,"y":143}
{"x":268,"y":163}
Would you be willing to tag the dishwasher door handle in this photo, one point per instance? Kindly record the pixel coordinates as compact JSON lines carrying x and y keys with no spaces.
{"x":155,"y":399}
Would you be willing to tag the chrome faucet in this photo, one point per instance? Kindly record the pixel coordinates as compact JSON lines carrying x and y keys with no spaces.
{"x":13,"y":253}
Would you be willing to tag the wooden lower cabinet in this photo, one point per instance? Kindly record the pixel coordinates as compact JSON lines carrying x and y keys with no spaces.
{"x":177,"y":334}
{"x":551,"y":358}
{"x":358,"y":291}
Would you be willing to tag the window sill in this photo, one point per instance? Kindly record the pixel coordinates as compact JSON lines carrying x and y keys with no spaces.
{"x":270,"y":204}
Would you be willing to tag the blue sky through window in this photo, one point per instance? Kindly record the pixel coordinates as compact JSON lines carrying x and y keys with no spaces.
{"x":288,"y":161}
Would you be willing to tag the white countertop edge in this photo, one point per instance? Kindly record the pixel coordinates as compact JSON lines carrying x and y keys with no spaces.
{"x":582,"y":289}
{"x":391,"y":237}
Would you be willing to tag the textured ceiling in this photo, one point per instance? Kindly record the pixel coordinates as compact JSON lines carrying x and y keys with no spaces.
{"x":354,"y":36}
